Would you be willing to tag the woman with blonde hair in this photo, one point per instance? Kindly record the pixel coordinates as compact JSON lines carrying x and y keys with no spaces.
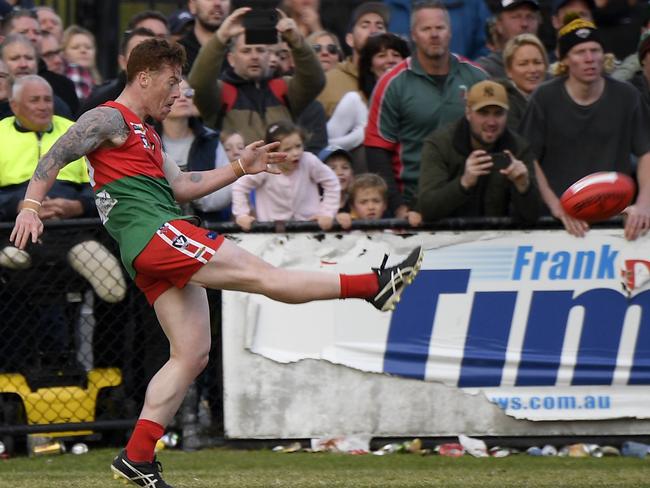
{"x":526,"y":65}
{"x":79,"y":51}
{"x":327,"y":48}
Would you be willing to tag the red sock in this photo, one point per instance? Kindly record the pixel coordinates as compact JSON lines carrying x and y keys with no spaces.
{"x":359,"y":286}
{"x":142,"y":443}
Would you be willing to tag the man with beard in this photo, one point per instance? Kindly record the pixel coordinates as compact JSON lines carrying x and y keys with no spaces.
{"x":208,"y":17}
{"x":243,"y":98}
{"x":478,"y":167}
{"x":424,"y":92}
{"x":368,"y":19}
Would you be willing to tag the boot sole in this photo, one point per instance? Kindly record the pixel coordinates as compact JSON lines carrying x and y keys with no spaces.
{"x":119,"y":476}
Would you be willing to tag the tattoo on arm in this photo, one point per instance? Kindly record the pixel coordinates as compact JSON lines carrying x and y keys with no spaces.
{"x":195,"y":177}
{"x":91,"y":130}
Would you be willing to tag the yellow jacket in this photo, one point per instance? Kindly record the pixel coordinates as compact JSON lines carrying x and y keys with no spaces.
{"x":21,"y":151}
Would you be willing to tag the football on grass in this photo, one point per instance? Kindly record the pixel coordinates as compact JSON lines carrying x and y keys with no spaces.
{"x":598,"y":196}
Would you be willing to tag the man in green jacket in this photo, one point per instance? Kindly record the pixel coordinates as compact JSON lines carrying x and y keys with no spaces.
{"x":242,"y":98}
{"x":477,"y":166}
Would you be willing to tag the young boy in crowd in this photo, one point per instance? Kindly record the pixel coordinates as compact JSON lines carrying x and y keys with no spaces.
{"x":340,"y":161}
{"x":368,"y":197}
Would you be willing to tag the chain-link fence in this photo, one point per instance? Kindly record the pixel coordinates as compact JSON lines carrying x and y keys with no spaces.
{"x":80,"y":343}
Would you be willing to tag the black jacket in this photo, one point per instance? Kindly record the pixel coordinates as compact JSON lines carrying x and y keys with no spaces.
{"x":191,"y":44}
{"x":10,"y":197}
{"x":441,"y":195}
{"x":61,"y":86}
{"x":109,"y":90}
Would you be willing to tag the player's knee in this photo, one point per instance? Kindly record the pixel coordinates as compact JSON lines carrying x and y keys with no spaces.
{"x":202,"y":363}
{"x":198,"y":362}
{"x":194,"y":360}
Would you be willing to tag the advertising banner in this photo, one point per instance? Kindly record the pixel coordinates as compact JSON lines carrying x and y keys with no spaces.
{"x":546,"y":326}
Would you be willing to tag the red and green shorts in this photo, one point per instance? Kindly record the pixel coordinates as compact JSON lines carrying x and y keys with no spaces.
{"x":177,"y":250}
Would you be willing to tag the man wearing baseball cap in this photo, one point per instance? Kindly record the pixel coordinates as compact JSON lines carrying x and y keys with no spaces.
{"x":582,"y":122}
{"x":477,"y":166}
{"x":367,"y":19}
{"x":512,"y":17}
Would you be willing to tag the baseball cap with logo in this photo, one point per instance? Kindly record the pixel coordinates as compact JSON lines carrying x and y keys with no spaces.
{"x":487,"y":93}
{"x":512,"y":4}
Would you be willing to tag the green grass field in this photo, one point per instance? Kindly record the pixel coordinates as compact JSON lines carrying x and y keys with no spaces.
{"x":250,"y":469}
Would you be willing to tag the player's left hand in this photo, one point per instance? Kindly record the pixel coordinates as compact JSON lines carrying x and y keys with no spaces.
{"x":637,"y":221}
{"x":258,"y":157}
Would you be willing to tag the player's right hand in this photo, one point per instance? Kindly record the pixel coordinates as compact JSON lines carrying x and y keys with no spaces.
{"x":28,"y":226}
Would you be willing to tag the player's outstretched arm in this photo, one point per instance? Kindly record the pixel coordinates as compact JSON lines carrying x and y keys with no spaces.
{"x":256,"y":158}
{"x":96,"y":127}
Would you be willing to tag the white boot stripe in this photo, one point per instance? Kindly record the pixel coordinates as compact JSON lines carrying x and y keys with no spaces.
{"x":149,"y":479}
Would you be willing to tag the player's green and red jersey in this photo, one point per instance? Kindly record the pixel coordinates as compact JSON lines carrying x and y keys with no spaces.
{"x":133,"y":197}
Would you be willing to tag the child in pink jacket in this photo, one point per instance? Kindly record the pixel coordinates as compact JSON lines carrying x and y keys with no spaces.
{"x":294,"y":194}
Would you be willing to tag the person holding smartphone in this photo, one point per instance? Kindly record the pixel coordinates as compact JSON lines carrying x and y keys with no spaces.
{"x":245,"y":98}
{"x":477,"y":166}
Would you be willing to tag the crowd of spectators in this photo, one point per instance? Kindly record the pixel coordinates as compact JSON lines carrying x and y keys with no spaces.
{"x":434,"y":109}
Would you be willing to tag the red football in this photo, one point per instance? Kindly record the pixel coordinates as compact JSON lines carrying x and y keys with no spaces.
{"x":598,"y":196}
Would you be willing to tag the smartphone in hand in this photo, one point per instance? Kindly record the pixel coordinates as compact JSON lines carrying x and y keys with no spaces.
{"x":500,"y":160}
{"x":259,"y":26}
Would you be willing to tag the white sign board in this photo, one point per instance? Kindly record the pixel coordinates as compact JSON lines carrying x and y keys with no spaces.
{"x":536,"y":322}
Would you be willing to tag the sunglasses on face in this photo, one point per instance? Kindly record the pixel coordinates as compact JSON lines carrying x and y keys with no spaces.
{"x":330,"y":48}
